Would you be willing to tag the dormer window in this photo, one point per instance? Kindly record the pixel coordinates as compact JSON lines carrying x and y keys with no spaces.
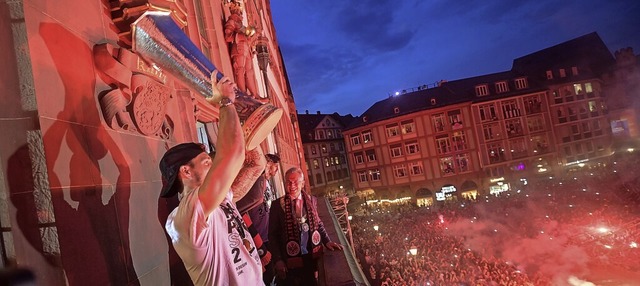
{"x":365,"y":118}
{"x":521,"y":83}
{"x":549,"y":75}
{"x":482,"y":90}
{"x":574,"y":70}
{"x":396,"y":110}
{"x":433,"y":101}
{"x":502,"y":87}
{"x":563,"y":73}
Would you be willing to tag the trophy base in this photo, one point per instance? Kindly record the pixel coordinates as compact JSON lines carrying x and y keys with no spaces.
{"x":259,"y":124}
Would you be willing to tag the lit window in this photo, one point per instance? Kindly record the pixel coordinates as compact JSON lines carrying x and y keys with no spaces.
{"x":375,"y":174}
{"x":393,"y":130}
{"x":412,"y":147}
{"x":366,"y":136}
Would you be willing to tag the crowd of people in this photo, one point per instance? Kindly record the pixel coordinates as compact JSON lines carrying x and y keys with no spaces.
{"x":547,"y":232}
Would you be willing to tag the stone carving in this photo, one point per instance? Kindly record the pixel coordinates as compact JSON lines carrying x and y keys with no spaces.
{"x":138,"y":101}
{"x":241,"y":39}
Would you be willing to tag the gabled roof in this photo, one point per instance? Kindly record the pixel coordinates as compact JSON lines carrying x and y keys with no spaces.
{"x":448,"y":93}
{"x":588,"y":53}
{"x":309,"y":122}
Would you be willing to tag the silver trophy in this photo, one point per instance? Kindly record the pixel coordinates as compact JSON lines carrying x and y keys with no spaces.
{"x":158,"y":40}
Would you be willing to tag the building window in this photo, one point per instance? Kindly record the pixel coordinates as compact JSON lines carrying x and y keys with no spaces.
{"x":491,"y":131}
{"x":514,"y":127}
{"x":371,"y":155}
{"x":577,"y":88}
{"x":455,"y":118}
{"x":358,"y":158}
{"x":355,"y":139}
{"x":316,"y":165}
{"x":563,"y":73}
{"x":408,"y":126}
{"x":438,"y":122}
{"x":326,"y":162}
{"x":462,"y":160}
{"x":396,"y":150}
{"x":539,"y":144}
{"x":366,"y":137}
{"x":375,"y":174}
{"x":393,"y":130}
{"x":487,"y":112}
{"x":510,"y":109}
{"x":587,"y":87}
{"x":549,"y":75}
{"x":502,"y":87}
{"x":329,"y":176}
{"x":442,"y":144}
{"x":482,"y":90}
{"x":495,"y":152}
{"x":313,"y":149}
{"x":446,"y":166}
{"x":323,"y":148}
{"x":459,"y":141}
{"x":412,"y":147}
{"x":340,"y":147}
{"x":321,"y":134}
{"x":400,"y":171}
{"x":396,"y":110}
{"x":521,"y":83}
{"x":329,"y":134}
{"x":415,"y":168}
{"x":532,"y":104}
{"x":574,"y":70}
{"x":518,"y":148}
{"x":362,"y":176}
{"x":535,"y":124}
{"x":332,"y":147}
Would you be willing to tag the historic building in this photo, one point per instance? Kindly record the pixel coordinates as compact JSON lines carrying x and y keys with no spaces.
{"x":497,"y":132}
{"x":325,"y":152}
{"x":86,"y":119}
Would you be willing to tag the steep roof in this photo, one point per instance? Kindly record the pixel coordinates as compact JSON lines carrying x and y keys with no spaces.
{"x":588,"y":53}
{"x":309,"y":122}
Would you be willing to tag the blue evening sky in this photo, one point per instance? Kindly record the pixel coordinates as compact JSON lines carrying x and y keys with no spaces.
{"x":343,"y":56}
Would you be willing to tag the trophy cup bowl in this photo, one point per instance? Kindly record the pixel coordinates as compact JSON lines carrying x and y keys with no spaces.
{"x":158,"y":40}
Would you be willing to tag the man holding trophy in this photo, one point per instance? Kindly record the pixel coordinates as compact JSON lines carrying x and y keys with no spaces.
{"x":206,"y":229}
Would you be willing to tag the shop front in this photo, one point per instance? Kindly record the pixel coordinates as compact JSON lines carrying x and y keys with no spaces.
{"x":447,"y":193}
{"x":424,"y":197}
{"x":498,"y":186}
{"x":469,"y":190}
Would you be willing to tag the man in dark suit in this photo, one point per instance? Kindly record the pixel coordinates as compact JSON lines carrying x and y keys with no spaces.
{"x":296,"y":233}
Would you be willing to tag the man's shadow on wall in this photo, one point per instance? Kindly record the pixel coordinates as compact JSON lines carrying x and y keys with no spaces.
{"x":92,"y":219}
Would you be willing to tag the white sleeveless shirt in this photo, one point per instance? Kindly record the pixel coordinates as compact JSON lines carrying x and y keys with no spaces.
{"x":217,"y":250}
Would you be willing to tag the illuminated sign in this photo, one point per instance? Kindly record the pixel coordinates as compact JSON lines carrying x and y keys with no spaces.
{"x":496,"y":179}
{"x":445,"y":192}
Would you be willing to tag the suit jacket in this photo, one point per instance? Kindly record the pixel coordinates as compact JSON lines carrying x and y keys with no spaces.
{"x":278,"y":231}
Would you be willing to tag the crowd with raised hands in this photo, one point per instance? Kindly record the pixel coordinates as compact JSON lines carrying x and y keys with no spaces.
{"x":594,"y":210}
